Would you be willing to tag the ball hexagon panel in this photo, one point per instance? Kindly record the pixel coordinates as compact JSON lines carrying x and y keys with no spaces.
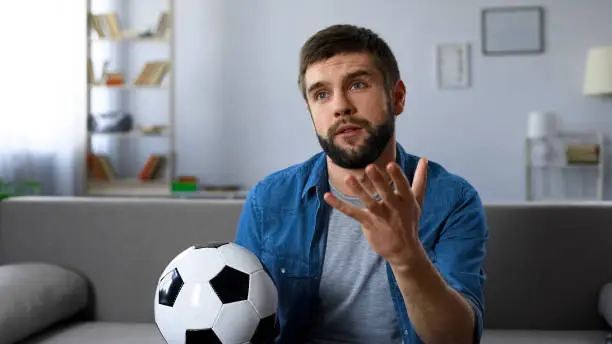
{"x":237,"y":322}
{"x":266,"y":331}
{"x":202,"y":265}
{"x":198,"y":305}
{"x":169,"y":287}
{"x":206,"y":336}
{"x":167,"y":324}
{"x":262,"y":294}
{"x":231,"y":285}
{"x":240,"y":258}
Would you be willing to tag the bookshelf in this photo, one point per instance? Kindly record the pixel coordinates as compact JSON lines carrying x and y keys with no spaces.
{"x":130,"y":116}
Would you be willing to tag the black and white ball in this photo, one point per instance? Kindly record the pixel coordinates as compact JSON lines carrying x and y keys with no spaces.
{"x":216,"y":293}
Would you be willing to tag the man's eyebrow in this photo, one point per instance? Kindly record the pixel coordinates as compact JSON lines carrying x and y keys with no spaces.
{"x":358,"y":73}
{"x":314,"y":86}
{"x":351,"y":75}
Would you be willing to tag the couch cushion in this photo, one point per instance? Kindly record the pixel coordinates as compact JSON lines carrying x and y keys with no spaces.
{"x":605,"y":302}
{"x":542,"y":337}
{"x":100,"y":333}
{"x":35,"y":296}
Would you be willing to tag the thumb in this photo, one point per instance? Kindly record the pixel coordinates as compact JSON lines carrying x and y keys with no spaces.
{"x":420,"y":181}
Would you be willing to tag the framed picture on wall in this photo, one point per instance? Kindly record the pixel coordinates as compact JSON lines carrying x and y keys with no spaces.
{"x":512,"y":30}
{"x":453,"y":65}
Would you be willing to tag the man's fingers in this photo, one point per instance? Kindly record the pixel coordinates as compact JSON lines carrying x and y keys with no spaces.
{"x":345,"y":208}
{"x":402,"y":185}
{"x":364,"y":196}
{"x":420,"y":181}
{"x":382,"y":186}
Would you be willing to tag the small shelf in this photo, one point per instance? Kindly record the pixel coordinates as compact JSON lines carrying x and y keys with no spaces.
{"x":566,"y":166}
{"x":578,"y":134}
{"x":130,"y":134}
{"x":128,"y":187}
{"x":130,"y":39}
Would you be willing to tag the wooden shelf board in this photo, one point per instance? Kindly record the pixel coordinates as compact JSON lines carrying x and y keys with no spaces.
{"x":128,"y":87}
{"x":130,"y":39}
{"x":128,"y":187}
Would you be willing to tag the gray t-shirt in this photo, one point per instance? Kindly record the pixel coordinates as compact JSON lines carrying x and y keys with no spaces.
{"x":356,"y":301}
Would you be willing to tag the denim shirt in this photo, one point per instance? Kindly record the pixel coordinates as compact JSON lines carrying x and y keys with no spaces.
{"x":284,"y":223}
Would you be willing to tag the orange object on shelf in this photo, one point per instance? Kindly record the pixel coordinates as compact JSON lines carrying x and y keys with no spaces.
{"x":187,"y":179}
{"x":115,"y":79}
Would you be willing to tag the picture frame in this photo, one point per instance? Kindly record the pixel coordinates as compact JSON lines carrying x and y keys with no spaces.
{"x":513,"y":30}
{"x":453,"y":66}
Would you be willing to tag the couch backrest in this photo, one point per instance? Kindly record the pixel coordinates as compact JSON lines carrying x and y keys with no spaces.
{"x":545,"y":263}
{"x":120,"y":245}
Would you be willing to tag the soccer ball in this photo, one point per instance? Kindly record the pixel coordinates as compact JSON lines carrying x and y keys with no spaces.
{"x":216,"y":293}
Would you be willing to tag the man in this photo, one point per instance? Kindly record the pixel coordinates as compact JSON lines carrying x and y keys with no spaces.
{"x":365,"y":242}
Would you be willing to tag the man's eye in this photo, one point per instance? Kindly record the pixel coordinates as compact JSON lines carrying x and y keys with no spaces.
{"x":320,"y":95}
{"x":358,"y":85}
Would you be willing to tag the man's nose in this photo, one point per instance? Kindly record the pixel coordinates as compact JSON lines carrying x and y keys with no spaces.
{"x":343,"y":106}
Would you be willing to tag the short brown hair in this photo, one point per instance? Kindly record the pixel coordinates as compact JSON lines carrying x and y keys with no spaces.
{"x":346,"y":38}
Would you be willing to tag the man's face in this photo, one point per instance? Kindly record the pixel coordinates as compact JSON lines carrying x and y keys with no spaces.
{"x":354,"y":119}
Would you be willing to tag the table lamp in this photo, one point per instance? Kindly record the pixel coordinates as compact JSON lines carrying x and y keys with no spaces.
{"x":598,"y":72}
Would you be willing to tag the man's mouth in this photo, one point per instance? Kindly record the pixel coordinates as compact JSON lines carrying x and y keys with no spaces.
{"x":348,"y":129}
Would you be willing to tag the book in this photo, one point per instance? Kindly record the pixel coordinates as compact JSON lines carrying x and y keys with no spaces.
{"x":163,"y":26}
{"x":91,"y":75}
{"x":152,"y":73}
{"x":99,"y":167}
{"x":96,"y":24}
{"x":152,"y":168}
{"x":112,"y":22}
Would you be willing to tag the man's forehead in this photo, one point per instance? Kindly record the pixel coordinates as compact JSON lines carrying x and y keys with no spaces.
{"x":339,"y":66}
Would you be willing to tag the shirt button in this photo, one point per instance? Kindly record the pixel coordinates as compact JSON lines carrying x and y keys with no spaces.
{"x":283,"y":270}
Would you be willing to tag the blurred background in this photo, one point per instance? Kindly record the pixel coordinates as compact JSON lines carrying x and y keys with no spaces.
{"x":511,"y":95}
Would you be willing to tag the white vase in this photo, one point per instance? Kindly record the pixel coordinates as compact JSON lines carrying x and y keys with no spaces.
{"x":541,"y":125}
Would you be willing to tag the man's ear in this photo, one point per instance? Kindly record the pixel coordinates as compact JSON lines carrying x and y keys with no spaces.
{"x":399,"y":96}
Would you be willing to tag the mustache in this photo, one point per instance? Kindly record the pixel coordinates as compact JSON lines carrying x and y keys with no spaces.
{"x":356,"y":121}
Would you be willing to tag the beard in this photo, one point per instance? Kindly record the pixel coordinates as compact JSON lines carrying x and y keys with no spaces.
{"x":359,"y":157}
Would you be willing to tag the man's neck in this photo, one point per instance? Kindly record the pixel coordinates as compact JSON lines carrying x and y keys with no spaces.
{"x":337,"y":174}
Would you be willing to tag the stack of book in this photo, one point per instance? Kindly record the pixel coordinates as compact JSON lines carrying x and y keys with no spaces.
{"x":582,"y":154}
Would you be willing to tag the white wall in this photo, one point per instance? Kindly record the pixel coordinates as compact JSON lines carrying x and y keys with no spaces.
{"x":241,"y":115}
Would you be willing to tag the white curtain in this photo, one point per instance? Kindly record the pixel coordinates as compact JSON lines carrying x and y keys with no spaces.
{"x":43,"y":93}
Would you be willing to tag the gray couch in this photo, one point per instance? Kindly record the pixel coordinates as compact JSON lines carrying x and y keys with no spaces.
{"x":546,"y":266}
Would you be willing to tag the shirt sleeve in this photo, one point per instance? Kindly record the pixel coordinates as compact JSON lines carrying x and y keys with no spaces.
{"x":248,"y":233}
{"x":460,"y":252}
